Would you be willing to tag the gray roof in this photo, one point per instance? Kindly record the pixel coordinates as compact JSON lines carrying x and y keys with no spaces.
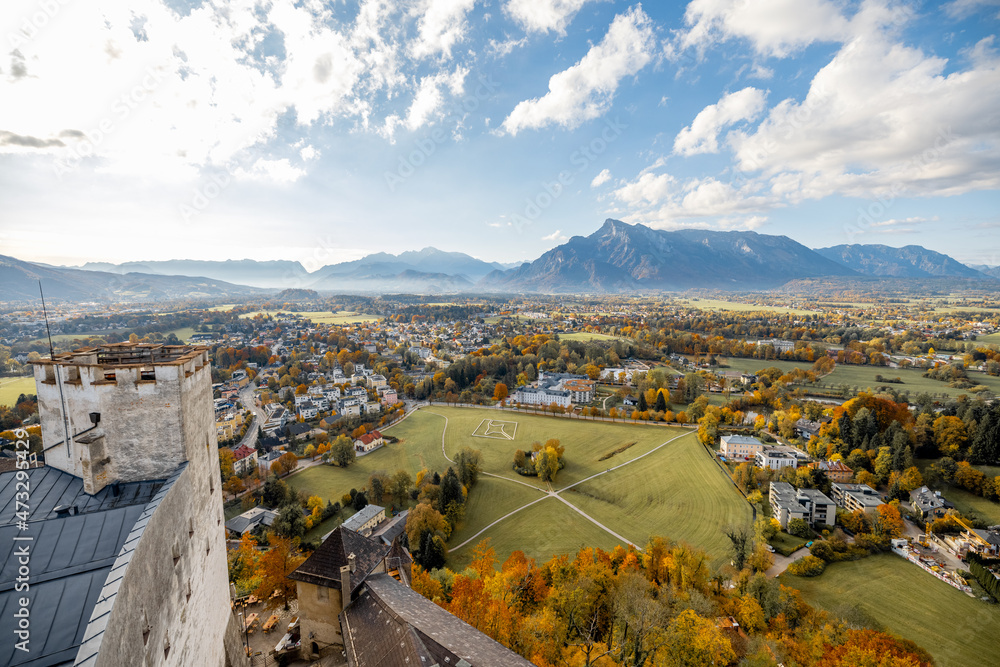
{"x":391,"y":529}
{"x":72,"y":557}
{"x":741,"y":440}
{"x":251,"y":519}
{"x":362,"y":516}
{"x":389,"y":625}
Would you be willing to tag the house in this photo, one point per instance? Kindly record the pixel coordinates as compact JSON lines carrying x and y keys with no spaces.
{"x":835,"y":471}
{"x":297,"y":431}
{"x":806,"y":428}
{"x":308,"y":410}
{"x":368,"y":442}
{"x":856,"y":497}
{"x":542,"y":396}
{"x":581,"y":391}
{"x":365,"y":520}
{"x":789,"y":503}
{"x":389,"y":396}
{"x":246,"y":522}
{"x":244,"y":459}
{"x":354,"y":592}
{"x":740,"y":446}
{"x":372,"y":407}
{"x":775,"y":459}
{"x":264,"y":462}
{"x":929,"y":504}
{"x":388,"y":531}
{"x":376,"y":381}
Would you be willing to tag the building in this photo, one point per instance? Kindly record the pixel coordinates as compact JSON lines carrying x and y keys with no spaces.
{"x":806,"y":428}
{"x":134,"y":568}
{"x":740,"y":446}
{"x":368,"y":442}
{"x":389,"y":530}
{"x":775,"y":459}
{"x":365,"y":520}
{"x":856,"y":497}
{"x":246,"y":522}
{"x":929,"y":504}
{"x":541,"y":396}
{"x":581,"y":391}
{"x":244,"y":460}
{"x":835,"y":471}
{"x":354,"y":596}
{"x":789,"y":503}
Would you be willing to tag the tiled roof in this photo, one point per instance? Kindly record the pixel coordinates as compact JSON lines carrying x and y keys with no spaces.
{"x":322,"y":568}
{"x":389,"y":625}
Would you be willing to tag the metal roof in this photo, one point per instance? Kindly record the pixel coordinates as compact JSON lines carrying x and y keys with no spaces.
{"x":71,"y":557}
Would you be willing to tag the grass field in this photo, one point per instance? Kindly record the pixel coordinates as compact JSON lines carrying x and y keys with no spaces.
{"x":968,"y":504}
{"x":993,"y":338}
{"x":182,"y":334}
{"x":913,"y":379}
{"x":11,"y":388}
{"x":718,"y":304}
{"x":786,"y":544}
{"x":587,"y":336}
{"x":676,"y":492}
{"x":956,"y":629}
{"x":321,"y":316}
{"x":745,"y":365}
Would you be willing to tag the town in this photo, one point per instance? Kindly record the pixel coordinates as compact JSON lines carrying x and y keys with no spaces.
{"x":416,"y":447}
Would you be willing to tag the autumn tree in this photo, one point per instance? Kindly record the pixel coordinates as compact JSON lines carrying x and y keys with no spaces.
{"x":500,"y":392}
{"x":273,"y":568}
{"x":692,"y":641}
{"x":233,"y":486}
{"x":342,"y":452}
{"x":226,"y":462}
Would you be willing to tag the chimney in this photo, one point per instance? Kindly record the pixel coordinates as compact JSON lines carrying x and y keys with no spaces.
{"x":351,"y":562}
{"x":345,"y":586}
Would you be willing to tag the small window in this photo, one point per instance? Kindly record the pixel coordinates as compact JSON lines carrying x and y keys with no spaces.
{"x":190,"y":528}
{"x":147,"y":374}
{"x":176,"y":554}
{"x":145,"y":629}
{"x":166,"y":648}
{"x":110,"y":376}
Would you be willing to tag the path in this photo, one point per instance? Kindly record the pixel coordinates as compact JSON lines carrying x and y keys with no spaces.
{"x":551,"y":493}
{"x":782,"y":562}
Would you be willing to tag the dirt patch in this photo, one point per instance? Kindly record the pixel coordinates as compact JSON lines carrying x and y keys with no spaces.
{"x":616,"y":451}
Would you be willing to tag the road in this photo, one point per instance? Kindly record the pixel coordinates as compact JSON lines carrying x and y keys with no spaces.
{"x":247,"y":399}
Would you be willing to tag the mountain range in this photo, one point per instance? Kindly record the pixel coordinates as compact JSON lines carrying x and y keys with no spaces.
{"x":617,"y":258}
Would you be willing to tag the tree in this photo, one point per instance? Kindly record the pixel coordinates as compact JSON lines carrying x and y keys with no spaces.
{"x":500,"y":392}
{"x":233,"y":486}
{"x":422,"y":519}
{"x":310,"y":452}
{"x":226,"y":462}
{"x":360,"y":501}
{"x":275,"y":492}
{"x":950,"y":435}
{"x":451,"y":491}
{"x":342,"y":453}
{"x":289,"y":522}
{"x":741,"y":543}
{"x":887,"y":521}
{"x":661,"y":402}
{"x":799,"y":528}
{"x":401,"y":485}
{"x":469,"y":463}
{"x":273,"y":568}
{"x":287,"y":462}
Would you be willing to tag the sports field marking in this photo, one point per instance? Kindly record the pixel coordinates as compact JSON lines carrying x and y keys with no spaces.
{"x":496,"y":429}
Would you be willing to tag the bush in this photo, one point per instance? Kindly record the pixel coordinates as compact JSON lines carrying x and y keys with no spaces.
{"x":799,"y":528}
{"x":807,"y":566}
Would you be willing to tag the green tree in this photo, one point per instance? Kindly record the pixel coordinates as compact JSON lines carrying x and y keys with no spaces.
{"x":342,"y":451}
{"x":289,"y":522}
{"x":275,"y":493}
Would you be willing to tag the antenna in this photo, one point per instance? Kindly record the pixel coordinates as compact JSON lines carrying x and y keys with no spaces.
{"x":52,"y":360}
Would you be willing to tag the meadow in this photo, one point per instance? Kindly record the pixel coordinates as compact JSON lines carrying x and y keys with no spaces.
{"x":736,"y":306}
{"x":993,"y":338}
{"x":586,"y":336}
{"x":745,"y":365}
{"x":11,"y":388}
{"x":956,"y":629}
{"x":322,"y":316}
{"x":913,"y":379}
{"x":676,"y":491}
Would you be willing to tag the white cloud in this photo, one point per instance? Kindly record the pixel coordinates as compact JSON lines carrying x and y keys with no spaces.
{"x":309,"y":153}
{"x":601,"y":178}
{"x":961,"y":9}
{"x":276,"y":171}
{"x":702,"y":135}
{"x":774,"y":28}
{"x":882,"y":119}
{"x":441,"y":26}
{"x":585,"y":90}
{"x":543,"y":15}
{"x":649,"y":188}
{"x":556,"y":236}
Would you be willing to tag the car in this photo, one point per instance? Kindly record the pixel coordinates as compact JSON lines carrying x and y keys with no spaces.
{"x":809,"y":543}
{"x":769,"y":548}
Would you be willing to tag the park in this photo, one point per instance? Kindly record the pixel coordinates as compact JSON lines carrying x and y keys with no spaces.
{"x":621,"y":484}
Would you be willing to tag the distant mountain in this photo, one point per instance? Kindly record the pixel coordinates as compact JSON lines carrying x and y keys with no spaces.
{"x":992,"y":271}
{"x":276,"y":274}
{"x":910,"y":261}
{"x":620,"y":257}
{"x":383,"y":266}
{"x":19,"y":282}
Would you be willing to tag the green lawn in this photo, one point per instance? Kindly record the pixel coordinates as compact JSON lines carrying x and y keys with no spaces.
{"x":541,"y":531}
{"x":913,"y":379}
{"x":956,"y":629}
{"x":676,"y":492}
{"x":786,"y":544}
{"x":744,"y":365}
{"x":989,"y":338}
{"x":718,"y":304}
{"x":11,"y":388}
{"x":968,"y":504}
{"x":182,"y":334}
{"x":321,"y":316}
{"x":587,"y":336}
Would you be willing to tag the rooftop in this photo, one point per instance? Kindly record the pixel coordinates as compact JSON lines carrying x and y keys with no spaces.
{"x":322,"y":568}
{"x":127,"y":354}
{"x":362,"y":516}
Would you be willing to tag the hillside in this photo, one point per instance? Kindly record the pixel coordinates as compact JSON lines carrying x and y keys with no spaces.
{"x":910,"y":261}
{"x":620,"y":257}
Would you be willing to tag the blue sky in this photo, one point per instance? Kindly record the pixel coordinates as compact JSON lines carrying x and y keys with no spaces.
{"x":324,"y":131}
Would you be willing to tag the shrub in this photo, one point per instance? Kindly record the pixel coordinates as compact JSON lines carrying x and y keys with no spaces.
{"x":799,"y":528}
{"x":807,"y":566}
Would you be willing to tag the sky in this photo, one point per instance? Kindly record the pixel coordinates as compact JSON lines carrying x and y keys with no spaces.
{"x":324,"y":131}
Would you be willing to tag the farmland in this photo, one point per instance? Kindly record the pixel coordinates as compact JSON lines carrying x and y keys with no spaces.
{"x":320,"y":316}
{"x":11,"y":388}
{"x":675,"y":491}
{"x":736,"y":306}
{"x":586,"y":336}
{"x":913,"y":379}
{"x":956,"y":629}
